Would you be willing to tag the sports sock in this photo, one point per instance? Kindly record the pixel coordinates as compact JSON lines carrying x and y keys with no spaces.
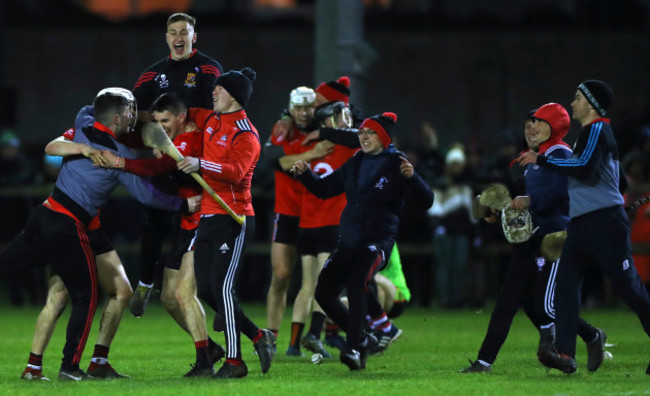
{"x":203,"y":353}
{"x":234,"y":361}
{"x":147,"y":285}
{"x":35,"y":361}
{"x":316,"y":326}
{"x":100,"y":355}
{"x":296,"y":334}
{"x":379,"y":322}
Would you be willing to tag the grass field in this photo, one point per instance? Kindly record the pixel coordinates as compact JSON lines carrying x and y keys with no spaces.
{"x":425,"y":361}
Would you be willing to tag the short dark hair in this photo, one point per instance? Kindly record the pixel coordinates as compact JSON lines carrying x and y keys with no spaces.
{"x":169,"y":101}
{"x":181,"y":16}
{"x":108,"y":104}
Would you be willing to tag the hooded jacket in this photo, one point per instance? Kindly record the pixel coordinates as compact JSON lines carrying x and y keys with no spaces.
{"x":549,"y":197}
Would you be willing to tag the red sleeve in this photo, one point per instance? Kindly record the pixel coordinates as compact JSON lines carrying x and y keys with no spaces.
{"x":150,"y":166}
{"x":199,"y":116}
{"x":69,"y":134}
{"x":245,"y":151}
{"x":133,"y":140}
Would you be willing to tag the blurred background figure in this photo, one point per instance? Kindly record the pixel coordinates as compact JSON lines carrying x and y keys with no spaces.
{"x":50,"y":169}
{"x":16,"y":169}
{"x":453,"y":229}
{"x":15,"y":166}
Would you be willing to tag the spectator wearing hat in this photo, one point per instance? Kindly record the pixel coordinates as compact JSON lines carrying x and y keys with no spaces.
{"x":598,"y":233}
{"x":231,"y":149}
{"x":453,"y":225}
{"x":375,"y":180}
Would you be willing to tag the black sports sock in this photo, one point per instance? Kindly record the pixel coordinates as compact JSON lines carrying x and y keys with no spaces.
{"x":317,"y":321}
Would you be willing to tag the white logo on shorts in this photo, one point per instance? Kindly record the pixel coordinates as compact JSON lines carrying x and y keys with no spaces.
{"x":224,"y":248}
{"x":626,"y":264}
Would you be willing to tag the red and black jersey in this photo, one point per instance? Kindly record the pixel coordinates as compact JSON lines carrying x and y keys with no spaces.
{"x":188,"y":144}
{"x":192,"y":80}
{"x":231,"y":149}
{"x":316,"y":212}
{"x":289,"y":191}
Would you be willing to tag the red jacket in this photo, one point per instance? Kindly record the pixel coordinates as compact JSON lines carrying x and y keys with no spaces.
{"x":231,"y":149}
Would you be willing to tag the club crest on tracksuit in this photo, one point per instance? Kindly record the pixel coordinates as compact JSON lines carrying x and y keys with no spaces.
{"x":380,"y":184}
{"x":190,"y":80}
{"x":222,"y":140}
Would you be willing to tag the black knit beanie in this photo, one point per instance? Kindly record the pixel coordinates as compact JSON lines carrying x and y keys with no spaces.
{"x":239,"y":84}
{"x":598,"y":94}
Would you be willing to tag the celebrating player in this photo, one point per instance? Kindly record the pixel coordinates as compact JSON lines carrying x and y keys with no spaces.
{"x":375,"y":182}
{"x":598,"y":232}
{"x":190,"y":75}
{"x":59,"y":226}
{"x":231,"y":149}
{"x":179,"y":283}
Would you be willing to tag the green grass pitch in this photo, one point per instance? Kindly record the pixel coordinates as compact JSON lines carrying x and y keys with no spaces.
{"x":425,"y":361}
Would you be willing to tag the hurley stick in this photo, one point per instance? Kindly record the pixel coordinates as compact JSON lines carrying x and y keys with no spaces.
{"x":154,"y":136}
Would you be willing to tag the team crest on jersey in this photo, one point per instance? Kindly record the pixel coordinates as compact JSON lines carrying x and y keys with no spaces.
{"x":380,"y":184}
{"x":190,"y":80}
{"x":222,"y":141}
{"x":209,"y":130}
{"x":163,"y":82}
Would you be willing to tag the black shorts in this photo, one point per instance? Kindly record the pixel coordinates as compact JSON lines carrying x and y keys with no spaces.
{"x":398,"y":308}
{"x":183,"y":243}
{"x":312,"y":241}
{"x":285,"y":229}
{"x":99,"y":241}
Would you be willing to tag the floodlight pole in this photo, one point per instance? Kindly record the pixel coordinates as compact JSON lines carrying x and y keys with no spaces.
{"x":340,"y":47}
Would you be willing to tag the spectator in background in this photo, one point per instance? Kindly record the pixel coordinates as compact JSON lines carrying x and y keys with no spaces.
{"x":638,"y":183}
{"x":15,"y":167}
{"x":451,"y":212}
{"x":50,"y":170}
{"x":426,"y":156}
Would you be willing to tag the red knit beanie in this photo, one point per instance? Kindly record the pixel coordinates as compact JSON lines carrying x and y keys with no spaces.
{"x":383,"y":124}
{"x":336,"y":91}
